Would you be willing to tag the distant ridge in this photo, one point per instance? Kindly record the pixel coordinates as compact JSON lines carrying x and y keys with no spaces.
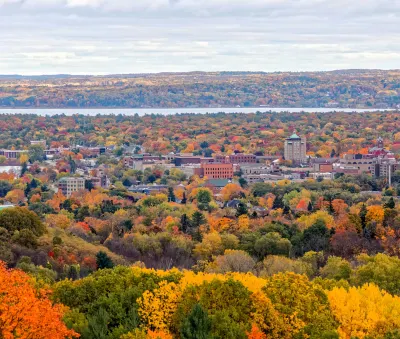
{"x":135,"y":75}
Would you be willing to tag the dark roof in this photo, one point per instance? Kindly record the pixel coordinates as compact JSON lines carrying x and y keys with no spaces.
{"x":217,"y":182}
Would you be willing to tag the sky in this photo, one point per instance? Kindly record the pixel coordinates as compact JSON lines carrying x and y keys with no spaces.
{"x":148,"y":36}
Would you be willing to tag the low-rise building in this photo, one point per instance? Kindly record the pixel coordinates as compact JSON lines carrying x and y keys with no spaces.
{"x":236,"y":158}
{"x":11,"y":154}
{"x":39,"y":142}
{"x":216,"y":171}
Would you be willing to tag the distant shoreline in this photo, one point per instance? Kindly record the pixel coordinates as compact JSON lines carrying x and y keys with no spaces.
{"x":173,"y":111}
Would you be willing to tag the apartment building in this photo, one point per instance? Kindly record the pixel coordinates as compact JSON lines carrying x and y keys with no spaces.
{"x":68,"y":185}
{"x":295,"y":149}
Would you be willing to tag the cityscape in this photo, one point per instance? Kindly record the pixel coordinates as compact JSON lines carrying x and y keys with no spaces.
{"x":199,"y":169}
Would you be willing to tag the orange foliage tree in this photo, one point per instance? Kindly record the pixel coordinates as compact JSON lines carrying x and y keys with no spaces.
{"x":26,"y":313}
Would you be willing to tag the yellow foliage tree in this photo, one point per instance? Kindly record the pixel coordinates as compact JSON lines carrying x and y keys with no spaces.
{"x":307,"y":221}
{"x":210,"y":245}
{"x":375,"y":213}
{"x":364,"y":311}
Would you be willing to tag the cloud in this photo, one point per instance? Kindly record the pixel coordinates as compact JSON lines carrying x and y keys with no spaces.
{"x":125,"y":36}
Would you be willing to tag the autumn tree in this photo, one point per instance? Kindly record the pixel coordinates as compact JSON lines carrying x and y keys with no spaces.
{"x":26,"y":312}
{"x":364,"y":311}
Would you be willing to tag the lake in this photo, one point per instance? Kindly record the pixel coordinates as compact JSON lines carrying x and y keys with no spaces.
{"x":169,"y":111}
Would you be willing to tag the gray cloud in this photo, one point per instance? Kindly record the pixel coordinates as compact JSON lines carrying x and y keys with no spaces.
{"x":125,"y":36}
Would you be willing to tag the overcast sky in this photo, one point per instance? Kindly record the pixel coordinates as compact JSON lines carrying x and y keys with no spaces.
{"x":135,"y":36}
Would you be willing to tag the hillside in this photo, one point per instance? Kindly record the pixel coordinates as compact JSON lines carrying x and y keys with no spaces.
{"x":345,"y":88}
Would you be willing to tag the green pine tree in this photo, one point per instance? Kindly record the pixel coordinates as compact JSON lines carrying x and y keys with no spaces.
{"x":171,"y":194}
{"x":390,"y":204}
{"x":103,"y":260}
{"x":197,"y":325}
{"x":363,"y":216}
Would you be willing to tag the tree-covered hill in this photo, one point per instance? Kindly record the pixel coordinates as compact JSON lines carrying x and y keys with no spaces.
{"x":346,"y":88}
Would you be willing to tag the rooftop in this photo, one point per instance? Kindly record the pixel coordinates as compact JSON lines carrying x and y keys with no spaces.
{"x":294,"y":136}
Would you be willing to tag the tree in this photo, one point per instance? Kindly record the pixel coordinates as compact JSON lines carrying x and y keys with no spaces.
{"x":210,"y":245}
{"x":381,"y":269}
{"x":306,"y":221}
{"x":315,"y":238}
{"x":364,"y":311}
{"x":227,"y":303}
{"x":242,"y":182}
{"x":5,"y":187}
{"x":241,"y":209}
{"x":36,"y":153}
{"x":184,"y":199}
{"x":15,"y":196}
{"x":204,"y":197}
{"x":19,"y":218}
{"x":390,"y":204}
{"x":198,"y":219}
{"x":197,"y":325}
{"x":232,"y":261}
{"x":185,"y":223}
{"x":231,"y":191}
{"x":375,"y":213}
{"x":302,"y":305}
{"x":363,"y":216}
{"x":274,"y":264}
{"x":171,"y":194}
{"x":24,"y":168}
{"x":103,"y":261}
{"x":26,"y":312}
{"x":272,"y":243}
{"x":336,"y":268}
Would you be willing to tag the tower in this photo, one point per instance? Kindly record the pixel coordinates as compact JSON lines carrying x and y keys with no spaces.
{"x":295,"y":149}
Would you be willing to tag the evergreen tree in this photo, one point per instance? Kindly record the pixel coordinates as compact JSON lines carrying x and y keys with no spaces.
{"x":390,"y":204}
{"x":241,"y":209}
{"x":198,"y":219}
{"x":310,"y":207}
{"x":242,"y":182}
{"x":278,"y":203}
{"x":97,"y":325}
{"x":185,"y":223}
{"x":171,"y":194}
{"x":197,"y":325}
{"x":363,"y":216}
{"x":89,"y":185}
{"x":24,"y":168}
{"x":184,"y":200}
{"x":103,"y":260}
{"x":72,"y":165}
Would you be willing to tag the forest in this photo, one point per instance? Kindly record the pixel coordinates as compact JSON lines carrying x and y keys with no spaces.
{"x":345,"y":89}
{"x":315,"y":259}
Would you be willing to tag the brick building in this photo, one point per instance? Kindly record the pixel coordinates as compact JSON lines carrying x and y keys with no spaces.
{"x":216,"y":171}
{"x":238,"y":158}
